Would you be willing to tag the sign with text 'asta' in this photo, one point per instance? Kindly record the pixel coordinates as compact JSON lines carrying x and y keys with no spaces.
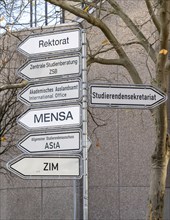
{"x":51,"y":117}
{"x":50,"y":92}
{"x":66,"y":141}
{"x":125,"y":96}
{"x":51,"y":68}
{"x":29,"y":166}
{"x":49,"y":43}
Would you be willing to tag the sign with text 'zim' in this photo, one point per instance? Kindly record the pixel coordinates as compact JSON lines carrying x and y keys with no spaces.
{"x":125,"y":96}
{"x":50,"y":92}
{"x":49,"y":43}
{"x":29,"y":166}
{"x":66,"y":141}
{"x":51,"y":68}
{"x":51,"y":117}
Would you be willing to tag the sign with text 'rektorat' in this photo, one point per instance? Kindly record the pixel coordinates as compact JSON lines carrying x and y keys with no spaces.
{"x":49,"y":43}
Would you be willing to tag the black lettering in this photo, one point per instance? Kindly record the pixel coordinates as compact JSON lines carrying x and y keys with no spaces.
{"x":69,"y":115}
{"x":47,"y":117}
{"x":50,"y":43}
{"x":53,"y":71}
{"x":57,"y":145}
{"x":50,"y":166}
{"x":45,"y":168}
{"x":46,"y":146}
{"x":51,"y":145}
{"x":41,"y":43}
{"x":54,"y":116}
{"x":56,"y":42}
{"x":36,"y":119}
{"x":94,"y":95}
{"x":134,"y":96}
{"x":53,"y":42}
{"x":55,"y":167}
{"x":62,"y":116}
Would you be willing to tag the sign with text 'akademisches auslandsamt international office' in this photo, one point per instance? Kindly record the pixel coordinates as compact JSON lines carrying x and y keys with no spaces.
{"x":52,"y":92}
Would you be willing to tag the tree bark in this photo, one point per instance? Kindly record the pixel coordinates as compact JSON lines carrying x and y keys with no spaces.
{"x":157,"y":189}
{"x":159,"y":164}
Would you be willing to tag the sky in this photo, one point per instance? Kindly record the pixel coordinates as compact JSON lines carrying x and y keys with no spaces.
{"x":16,"y":15}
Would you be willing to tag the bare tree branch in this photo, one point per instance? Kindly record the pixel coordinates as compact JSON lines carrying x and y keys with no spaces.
{"x":152,"y":14}
{"x":135,"y":30}
{"x":119,"y":62}
{"x":106,"y":31}
{"x":13,"y":86}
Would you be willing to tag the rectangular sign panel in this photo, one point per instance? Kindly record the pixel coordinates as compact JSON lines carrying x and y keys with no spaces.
{"x":51,"y":117}
{"x":46,"y":167}
{"x":49,"y":43}
{"x":51,"y":68}
{"x":67,"y":141}
{"x":125,"y":96}
{"x":46,"y":93}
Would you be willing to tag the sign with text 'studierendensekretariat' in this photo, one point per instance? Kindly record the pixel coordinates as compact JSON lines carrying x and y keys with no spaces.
{"x":125,"y":96}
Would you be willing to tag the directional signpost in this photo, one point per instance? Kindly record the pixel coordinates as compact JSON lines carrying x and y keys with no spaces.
{"x":51,"y":68}
{"x":58,"y":101}
{"x":67,"y":141}
{"x":50,"y":43}
{"x":50,"y":92}
{"x":43,"y":166}
{"x":125,"y":96}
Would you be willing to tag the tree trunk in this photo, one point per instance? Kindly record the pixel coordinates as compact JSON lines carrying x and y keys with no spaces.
{"x":160,"y":160}
{"x":157,"y":187}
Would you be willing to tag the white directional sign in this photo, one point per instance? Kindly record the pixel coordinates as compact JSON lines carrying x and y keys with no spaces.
{"x":50,"y":92}
{"x":51,"y":68}
{"x":67,"y":141}
{"x":49,"y":43}
{"x":125,"y":96}
{"x":28,"y":166}
{"x":51,"y":117}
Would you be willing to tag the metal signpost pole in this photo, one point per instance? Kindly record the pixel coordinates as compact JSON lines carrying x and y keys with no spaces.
{"x":85,"y":150}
